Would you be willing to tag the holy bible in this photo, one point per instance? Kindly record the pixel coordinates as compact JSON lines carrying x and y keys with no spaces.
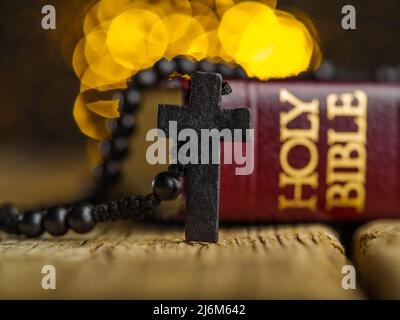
{"x":322,"y":151}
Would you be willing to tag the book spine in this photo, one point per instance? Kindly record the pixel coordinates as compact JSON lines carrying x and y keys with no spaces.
{"x":322,"y":151}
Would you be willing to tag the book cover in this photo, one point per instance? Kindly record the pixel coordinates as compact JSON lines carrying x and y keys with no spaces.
{"x":323,"y":151}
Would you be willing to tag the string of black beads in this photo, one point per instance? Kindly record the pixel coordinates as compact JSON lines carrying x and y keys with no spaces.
{"x":82,"y":217}
{"x":327,"y":71}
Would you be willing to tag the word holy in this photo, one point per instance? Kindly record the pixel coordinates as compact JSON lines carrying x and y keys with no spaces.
{"x":209,"y":142}
{"x":346,"y":158}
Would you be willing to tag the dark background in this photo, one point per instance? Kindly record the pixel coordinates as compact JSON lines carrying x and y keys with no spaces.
{"x":38,"y":86}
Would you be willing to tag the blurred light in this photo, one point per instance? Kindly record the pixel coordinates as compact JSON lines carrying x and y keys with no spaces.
{"x":123,"y":37}
{"x":89,"y":123}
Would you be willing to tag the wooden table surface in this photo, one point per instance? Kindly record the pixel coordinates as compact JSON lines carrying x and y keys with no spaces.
{"x":128,"y":260}
{"x":377,"y":254}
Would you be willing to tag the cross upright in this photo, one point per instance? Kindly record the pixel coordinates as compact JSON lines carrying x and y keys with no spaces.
{"x":203,"y":180}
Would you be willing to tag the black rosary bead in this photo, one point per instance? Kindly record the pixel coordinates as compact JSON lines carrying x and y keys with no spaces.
{"x":80,"y":218}
{"x":114,"y":149}
{"x":146,"y":78}
{"x":239,"y":73}
{"x":303,"y":76}
{"x":225,"y":70}
{"x":55,"y":221}
{"x":184,"y":65}
{"x":166,"y":186}
{"x":387,"y":74}
{"x":30,"y":224}
{"x":108,"y":172}
{"x":123,"y":126}
{"x":106,"y":149}
{"x":206,"y":66}
{"x":326,"y":72}
{"x":164,"y":67}
{"x":9,"y":219}
{"x":130,"y":100}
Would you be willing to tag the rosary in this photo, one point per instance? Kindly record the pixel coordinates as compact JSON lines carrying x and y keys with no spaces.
{"x":202,"y":205}
{"x":201,"y":180}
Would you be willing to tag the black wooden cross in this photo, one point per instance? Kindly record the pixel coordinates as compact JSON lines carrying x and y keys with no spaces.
{"x":202,"y":180}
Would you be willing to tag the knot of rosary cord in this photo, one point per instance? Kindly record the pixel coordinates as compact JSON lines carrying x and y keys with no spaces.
{"x":80,"y":218}
{"x":226,"y":88}
{"x":135,"y":207}
{"x":166,"y":186}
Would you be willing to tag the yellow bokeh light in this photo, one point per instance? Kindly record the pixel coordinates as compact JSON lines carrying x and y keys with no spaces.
{"x":79,"y":62}
{"x":237,"y":19}
{"x":109,"y":9}
{"x":89,"y":123}
{"x":123,"y":37}
{"x":92,"y":19}
{"x":283,"y":52}
{"x":105,"y":108}
{"x":93,"y":151}
{"x":193,"y":43}
{"x":221,"y":6}
{"x":137,"y":38}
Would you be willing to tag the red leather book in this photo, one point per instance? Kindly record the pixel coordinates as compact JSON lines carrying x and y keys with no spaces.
{"x":323,"y":151}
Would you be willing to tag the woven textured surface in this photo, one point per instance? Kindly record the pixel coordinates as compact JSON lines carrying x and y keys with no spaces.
{"x":127,"y":260}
